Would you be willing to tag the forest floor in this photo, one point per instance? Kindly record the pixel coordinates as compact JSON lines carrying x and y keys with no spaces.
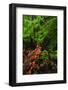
{"x":33,"y":65}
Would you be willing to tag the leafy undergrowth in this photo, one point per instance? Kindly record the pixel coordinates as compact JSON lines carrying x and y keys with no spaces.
{"x":39,"y":61}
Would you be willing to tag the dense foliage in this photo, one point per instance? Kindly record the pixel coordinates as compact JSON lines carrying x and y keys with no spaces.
{"x":40,"y":31}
